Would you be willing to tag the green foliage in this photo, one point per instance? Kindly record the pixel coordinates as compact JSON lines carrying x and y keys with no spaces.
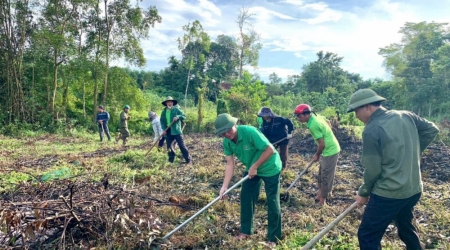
{"x":221,"y":107}
{"x":9,"y":180}
{"x":245,"y":98}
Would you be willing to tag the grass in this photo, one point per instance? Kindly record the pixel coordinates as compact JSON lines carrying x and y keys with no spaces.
{"x":197,"y":185}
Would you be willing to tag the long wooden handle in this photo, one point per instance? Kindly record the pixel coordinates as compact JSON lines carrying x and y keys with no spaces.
{"x":154,"y":144}
{"x":314,"y":240}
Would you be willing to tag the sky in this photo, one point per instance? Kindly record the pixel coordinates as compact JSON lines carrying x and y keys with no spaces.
{"x":293,"y":31}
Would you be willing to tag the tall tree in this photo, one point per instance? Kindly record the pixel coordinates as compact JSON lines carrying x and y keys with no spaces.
{"x":194,"y":46}
{"x":248,"y":41}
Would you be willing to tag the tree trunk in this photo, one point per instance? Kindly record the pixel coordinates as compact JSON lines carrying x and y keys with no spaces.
{"x":187,"y":86}
{"x":55,"y":82}
{"x":108,"y":28}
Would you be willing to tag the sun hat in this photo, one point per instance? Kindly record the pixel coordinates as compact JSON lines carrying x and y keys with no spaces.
{"x":266,"y":112}
{"x":169,"y":98}
{"x":223,"y":123}
{"x":362,"y":97}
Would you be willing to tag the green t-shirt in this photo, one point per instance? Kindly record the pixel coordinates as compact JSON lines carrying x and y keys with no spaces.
{"x":168,"y":121}
{"x":250,"y":145}
{"x":319,"y":128}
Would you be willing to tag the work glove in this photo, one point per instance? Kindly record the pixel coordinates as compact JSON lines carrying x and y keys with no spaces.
{"x":289,"y":136}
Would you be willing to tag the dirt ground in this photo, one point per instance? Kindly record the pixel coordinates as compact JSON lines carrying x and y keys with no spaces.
{"x":103,"y":208}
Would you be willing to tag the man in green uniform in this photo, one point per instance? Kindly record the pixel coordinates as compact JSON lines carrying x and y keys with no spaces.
{"x":327,"y":147}
{"x":262,"y":163}
{"x":124,"y":133}
{"x":172,"y":116}
{"x":392,"y":144}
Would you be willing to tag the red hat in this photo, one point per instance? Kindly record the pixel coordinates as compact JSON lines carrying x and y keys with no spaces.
{"x":302,"y":108}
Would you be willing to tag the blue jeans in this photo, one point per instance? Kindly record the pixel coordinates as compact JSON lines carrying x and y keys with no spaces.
{"x":103,"y":128}
{"x":379,"y":213}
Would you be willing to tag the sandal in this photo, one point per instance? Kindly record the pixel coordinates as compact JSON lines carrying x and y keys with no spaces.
{"x":241,"y":236}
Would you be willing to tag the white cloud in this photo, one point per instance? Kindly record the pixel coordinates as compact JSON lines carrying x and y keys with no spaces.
{"x":264,"y":72}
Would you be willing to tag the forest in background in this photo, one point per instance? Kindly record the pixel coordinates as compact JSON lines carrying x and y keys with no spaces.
{"x":55,"y":68}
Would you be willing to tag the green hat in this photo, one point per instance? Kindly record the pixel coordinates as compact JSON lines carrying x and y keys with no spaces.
{"x":362,"y":97}
{"x":169,"y":98}
{"x":126,"y":107}
{"x":224,"y":122}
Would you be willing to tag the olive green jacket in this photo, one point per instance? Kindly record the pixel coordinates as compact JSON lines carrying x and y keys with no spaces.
{"x":175,"y":129}
{"x":124,"y":117}
{"x":392,"y":144}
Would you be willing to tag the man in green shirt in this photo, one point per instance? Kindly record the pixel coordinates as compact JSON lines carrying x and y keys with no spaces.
{"x":327,"y":147}
{"x":262,"y":163}
{"x":124,"y":133}
{"x":392,"y":144}
{"x":173,"y":115}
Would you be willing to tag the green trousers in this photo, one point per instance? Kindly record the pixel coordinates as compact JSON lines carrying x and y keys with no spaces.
{"x":249,"y":197}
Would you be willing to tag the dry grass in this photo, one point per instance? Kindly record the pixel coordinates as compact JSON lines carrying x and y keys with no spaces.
{"x":199,"y":184}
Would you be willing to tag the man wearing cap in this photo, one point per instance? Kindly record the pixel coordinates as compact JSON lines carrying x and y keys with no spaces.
{"x":157,"y":129}
{"x":102,"y":120}
{"x":327,"y":147}
{"x":172,"y":117}
{"x":124,"y":117}
{"x":262,"y":163}
{"x":277,"y":128}
{"x":392,"y":144}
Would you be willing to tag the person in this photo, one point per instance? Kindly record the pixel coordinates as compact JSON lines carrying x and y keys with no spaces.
{"x":327,"y":147}
{"x":102,"y":120}
{"x":172,"y":114}
{"x":392,"y":143}
{"x":276,"y":128}
{"x":124,"y":117}
{"x":157,"y":129}
{"x":262,"y":163}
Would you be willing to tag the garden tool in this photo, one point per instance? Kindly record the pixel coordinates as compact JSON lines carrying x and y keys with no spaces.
{"x":285,"y":196}
{"x":275,"y":143}
{"x":201,"y":211}
{"x":159,"y":138}
{"x":316,"y":238}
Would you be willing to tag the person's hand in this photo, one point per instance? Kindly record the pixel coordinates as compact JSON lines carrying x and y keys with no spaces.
{"x":289,"y":136}
{"x":222,"y":191}
{"x":252,"y":172}
{"x":316,"y":158}
{"x":100,"y":121}
{"x":164,"y":133}
{"x":129,"y":116}
{"x":175,"y":119}
{"x":361,"y":201}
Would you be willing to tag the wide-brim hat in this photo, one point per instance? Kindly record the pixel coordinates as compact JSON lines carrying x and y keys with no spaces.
{"x":223,"y":123}
{"x":266,"y":112}
{"x":169,"y":98}
{"x":363,"y":97}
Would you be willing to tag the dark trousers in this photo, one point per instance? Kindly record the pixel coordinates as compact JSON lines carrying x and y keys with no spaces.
{"x":103,"y":128}
{"x":379,"y":213}
{"x":249,"y":197}
{"x":161,"y":141}
{"x":180,"y":141}
{"x":284,"y":152}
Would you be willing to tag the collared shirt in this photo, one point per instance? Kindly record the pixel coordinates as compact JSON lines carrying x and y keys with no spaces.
{"x":103,"y":116}
{"x":277,"y":129}
{"x":250,"y":145}
{"x":319,"y":128}
{"x":124,"y":120}
{"x":392,"y":144}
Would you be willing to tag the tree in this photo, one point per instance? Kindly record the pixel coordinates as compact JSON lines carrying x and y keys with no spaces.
{"x":194,"y":44}
{"x":248,"y":41}
{"x":274,"y":79}
{"x":410,"y":62}
{"x":323,"y":73}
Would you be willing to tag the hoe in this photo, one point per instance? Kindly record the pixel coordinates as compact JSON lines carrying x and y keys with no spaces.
{"x":155,"y":244}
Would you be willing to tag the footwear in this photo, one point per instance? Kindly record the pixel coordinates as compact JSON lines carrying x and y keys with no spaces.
{"x":271,"y":244}
{"x":241,"y":236}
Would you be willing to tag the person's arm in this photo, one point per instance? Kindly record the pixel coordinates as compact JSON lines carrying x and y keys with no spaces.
{"x":98,"y":117}
{"x":426,"y":129}
{"x":229,"y":171}
{"x":267,"y":153}
{"x":290,"y":125}
{"x":320,"y":148}
{"x":180,"y":115}
{"x":107,"y":117}
{"x":123,"y":116}
{"x":371,"y":160}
